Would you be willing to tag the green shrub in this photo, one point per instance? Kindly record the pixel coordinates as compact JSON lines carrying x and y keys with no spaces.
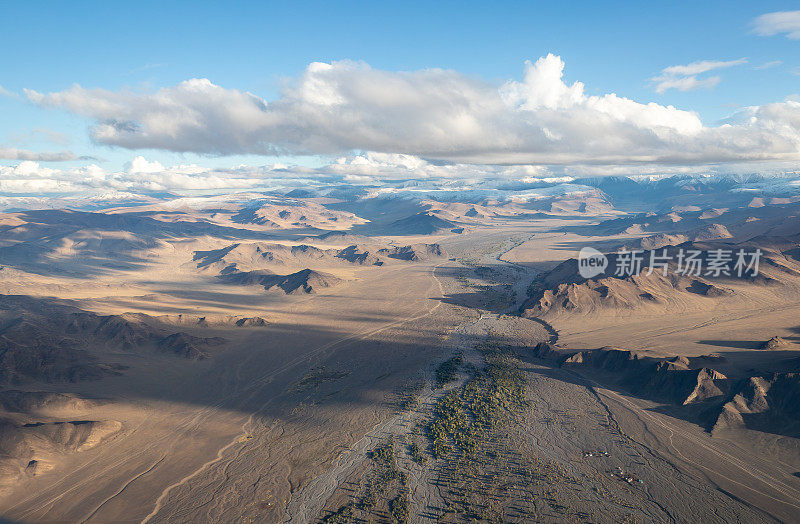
{"x":399,"y":508}
{"x":384,"y":454}
{"x":447,"y":370}
{"x":462,"y":415}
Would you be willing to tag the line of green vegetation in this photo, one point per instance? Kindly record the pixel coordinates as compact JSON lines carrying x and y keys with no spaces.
{"x":468,"y":432}
{"x":461,"y":417}
{"x":399,"y":507}
{"x":386,"y":488}
{"x":383,"y":455}
{"x":447,"y":370}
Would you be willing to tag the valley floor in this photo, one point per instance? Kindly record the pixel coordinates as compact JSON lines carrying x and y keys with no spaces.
{"x":340,"y":410}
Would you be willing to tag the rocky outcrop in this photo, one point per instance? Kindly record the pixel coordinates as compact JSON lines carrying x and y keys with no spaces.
{"x":768,"y":402}
{"x":188,"y":346}
{"x":681,"y":386}
{"x":423,"y":223}
{"x":775,"y":343}
{"x":415,"y":252}
{"x":47,"y":359}
{"x":668,"y":380}
{"x":706,"y":289}
{"x":357,"y":256}
{"x":563,"y":290}
{"x":251,"y":322}
{"x":267,"y":256}
{"x":27,"y":450}
{"x":51,"y":341}
{"x":304,"y":281}
{"x":19,"y":401}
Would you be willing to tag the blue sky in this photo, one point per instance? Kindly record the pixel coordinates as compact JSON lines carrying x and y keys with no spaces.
{"x":260,"y":47}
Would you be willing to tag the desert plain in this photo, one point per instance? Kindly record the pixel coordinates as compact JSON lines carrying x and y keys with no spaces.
{"x":268,"y":357}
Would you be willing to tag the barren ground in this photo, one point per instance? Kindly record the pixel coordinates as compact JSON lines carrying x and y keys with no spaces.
{"x":283,"y":422}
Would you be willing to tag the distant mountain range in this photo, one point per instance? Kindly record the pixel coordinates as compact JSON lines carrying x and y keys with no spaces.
{"x":623,"y":192}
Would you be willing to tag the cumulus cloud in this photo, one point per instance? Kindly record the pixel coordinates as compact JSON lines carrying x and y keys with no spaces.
{"x":30,"y":177}
{"x":142,"y":175}
{"x":777,"y":23}
{"x":31,"y":185}
{"x":372,"y":167}
{"x":436,"y":114}
{"x":10,"y":153}
{"x":138,"y":175}
{"x":684,"y":77}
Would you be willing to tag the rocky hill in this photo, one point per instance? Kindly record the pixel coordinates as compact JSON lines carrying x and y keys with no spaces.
{"x":304,"y":281}
{"x":47,"y":340}
{"x":563,"y":290}
{"x":670,"y":380}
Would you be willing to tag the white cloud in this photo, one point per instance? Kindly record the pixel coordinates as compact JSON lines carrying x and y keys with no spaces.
{"x":371,"y":167}
{"x":142,"y":165}
{"x":684,"y":77}
{"x":780,"y":22}
{"x":687,"y":83}
{"x":769,"y":65}
{"x":703,"y":66}
{"x":142,"y":175}
{"x":139,"y":175}
{"x":31,"y":185}
{"x":360,"y":179}
{"x":433,"y":113}
{"x":549,"y":180}
{"x":38,"y":186}
{"x":30,"y":177}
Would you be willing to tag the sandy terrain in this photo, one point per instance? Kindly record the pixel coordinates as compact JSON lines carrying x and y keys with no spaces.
{"x":227,"y":403}
{"x":244,"y":367}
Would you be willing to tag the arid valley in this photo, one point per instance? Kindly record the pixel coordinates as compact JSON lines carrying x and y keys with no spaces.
{"x":283,"y":359}
{"x":399,"y":262}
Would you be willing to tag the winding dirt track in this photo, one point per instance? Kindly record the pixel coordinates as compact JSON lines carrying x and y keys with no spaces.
{"x":363,"y":445}
{"x":307,"y":504}
{"x":142,"y":458}
{"x":776,"y":490}
{"x":139,"y":477}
